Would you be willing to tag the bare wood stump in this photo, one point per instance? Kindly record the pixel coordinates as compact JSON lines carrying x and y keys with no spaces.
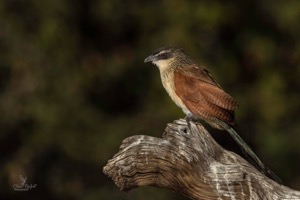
{"x":187,"y":160}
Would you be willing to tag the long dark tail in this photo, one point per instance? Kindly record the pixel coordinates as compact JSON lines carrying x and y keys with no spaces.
{"x":248,"y":152}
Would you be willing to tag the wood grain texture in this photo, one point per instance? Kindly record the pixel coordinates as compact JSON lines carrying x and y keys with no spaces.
{"x":188,"y":161}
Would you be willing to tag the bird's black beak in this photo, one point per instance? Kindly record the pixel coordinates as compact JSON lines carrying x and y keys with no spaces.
{"x":150,"y":58}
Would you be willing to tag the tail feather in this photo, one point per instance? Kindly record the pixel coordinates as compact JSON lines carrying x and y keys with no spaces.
{"x":248,"y":152}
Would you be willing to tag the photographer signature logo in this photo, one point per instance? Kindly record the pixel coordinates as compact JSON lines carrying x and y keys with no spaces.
{"x":23,"y":186}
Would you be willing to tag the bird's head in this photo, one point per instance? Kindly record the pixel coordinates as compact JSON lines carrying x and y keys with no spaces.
{"x":167,"y":57}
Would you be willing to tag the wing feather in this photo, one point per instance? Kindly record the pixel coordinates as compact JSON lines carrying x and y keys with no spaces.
{"x":203,"y":96}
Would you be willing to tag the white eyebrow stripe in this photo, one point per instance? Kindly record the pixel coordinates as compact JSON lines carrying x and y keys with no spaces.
{"x":164,"y":51}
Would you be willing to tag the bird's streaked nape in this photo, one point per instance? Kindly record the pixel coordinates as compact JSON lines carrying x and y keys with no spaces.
{"x":197,"y":93}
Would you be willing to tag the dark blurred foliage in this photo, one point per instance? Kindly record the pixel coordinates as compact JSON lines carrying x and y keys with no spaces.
{"x":73,"y":85}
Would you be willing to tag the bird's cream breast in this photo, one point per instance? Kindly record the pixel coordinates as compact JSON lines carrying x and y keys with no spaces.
{"x":168,"y":83}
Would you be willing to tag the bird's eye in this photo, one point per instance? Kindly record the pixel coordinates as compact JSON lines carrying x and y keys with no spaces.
{"x":164,"y":55}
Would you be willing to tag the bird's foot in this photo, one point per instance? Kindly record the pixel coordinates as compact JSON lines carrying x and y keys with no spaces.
{"x":189,"y":118}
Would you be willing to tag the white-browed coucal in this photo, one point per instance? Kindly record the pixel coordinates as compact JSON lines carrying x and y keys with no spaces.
{"x":197,"y":93}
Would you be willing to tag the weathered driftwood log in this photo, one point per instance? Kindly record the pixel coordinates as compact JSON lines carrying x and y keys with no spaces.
{"x":187,"y":160}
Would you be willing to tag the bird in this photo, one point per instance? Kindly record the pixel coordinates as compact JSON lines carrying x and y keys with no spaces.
{"x":200,"y":97}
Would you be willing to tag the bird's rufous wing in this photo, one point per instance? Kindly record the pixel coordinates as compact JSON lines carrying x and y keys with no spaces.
{"x":203,"y":96}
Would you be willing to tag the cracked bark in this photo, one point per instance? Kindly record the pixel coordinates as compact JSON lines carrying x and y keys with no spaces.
{"x":187,"y":160}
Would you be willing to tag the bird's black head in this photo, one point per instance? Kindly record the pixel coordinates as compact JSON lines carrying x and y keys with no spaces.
{"x":169,"y":57}
{"x":163,"y":53}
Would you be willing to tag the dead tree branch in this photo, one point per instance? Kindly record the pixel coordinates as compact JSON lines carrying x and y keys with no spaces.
{"x":188,"y":161}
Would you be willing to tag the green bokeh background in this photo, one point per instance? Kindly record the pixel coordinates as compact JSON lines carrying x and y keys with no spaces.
{"x":73,"y":85}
